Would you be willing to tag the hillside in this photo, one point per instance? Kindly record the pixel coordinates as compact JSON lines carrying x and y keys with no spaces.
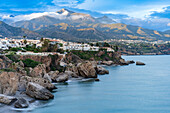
{"x":66,"y":24}
{"x":9,"y":31}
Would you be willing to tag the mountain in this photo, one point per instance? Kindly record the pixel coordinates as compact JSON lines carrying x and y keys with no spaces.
{"x":66,"y":24}
{"x":105,"y":20}
{"x":9,"y":31}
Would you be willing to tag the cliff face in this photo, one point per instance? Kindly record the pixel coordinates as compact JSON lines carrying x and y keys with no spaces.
{"x":5,"y":62}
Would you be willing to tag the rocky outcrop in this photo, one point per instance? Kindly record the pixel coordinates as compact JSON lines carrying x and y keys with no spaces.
{"x":38,"y":71}
{"x":86,"y":70}
{"x":101,"y":71}
{"x":53,"y":75}
{"x":5,"y":62}
{"x":21,"y":103}
{"x":9,"y":83}
{"x":73,"y":68}
{"x":108,"y":63}
{"x":38,"y":92}
{"x":41,"y":81}
{"x":123,"y":62}
{"x":7,"y":99}
{"x":140,"y":63}
{"x":62,"y":77}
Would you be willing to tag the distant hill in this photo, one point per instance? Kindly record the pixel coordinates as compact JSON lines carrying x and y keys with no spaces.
{"x":9,"y":31}
{"x":66,"y":24}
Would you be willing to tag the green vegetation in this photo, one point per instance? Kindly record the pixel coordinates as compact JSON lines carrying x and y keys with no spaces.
{"x":13,"y":57}
{"x":7,"y":70}
{"x":30,"y":63}
{"x":97,"y":55}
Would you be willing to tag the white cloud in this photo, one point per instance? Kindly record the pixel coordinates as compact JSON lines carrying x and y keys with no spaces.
{"x":168,"y":24}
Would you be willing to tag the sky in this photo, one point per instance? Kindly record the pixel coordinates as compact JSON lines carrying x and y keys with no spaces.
{"x":135,"y":12}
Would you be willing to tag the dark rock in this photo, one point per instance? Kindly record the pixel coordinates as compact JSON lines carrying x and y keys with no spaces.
{"x":21,"y":103}
{"x":97,"y":80}
{"x":38,"y":92}
{"x":108,"y":63}
{"x":53,"y":75}
{"x":140,"y":63}
{"x":130,"y":62}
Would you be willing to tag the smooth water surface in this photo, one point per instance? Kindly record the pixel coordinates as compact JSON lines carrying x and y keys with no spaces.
{"x":127,"y":89}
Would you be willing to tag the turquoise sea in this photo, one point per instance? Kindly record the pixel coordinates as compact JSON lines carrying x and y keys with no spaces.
{"x":127,"y":89}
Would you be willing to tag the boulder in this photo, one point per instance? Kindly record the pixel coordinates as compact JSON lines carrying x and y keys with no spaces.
{"x":20,"y":63}
{"x":101,"y":70}
{"x":9,"y":83}
{"x":24,"y":80}
{"x":123,"y":62}
{"x":38,"y":92}
{"x":108,"y":63}
{"x":86,"y":70}
{"x":140,"y":63}
{"x":62,"y":77}
{"x":38,"y":71}
{"x":53,"y":75}
{"x":7,"y":99}
{"x":21,"y":103}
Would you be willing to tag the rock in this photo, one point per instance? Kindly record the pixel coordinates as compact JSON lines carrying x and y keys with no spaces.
{"x":71,"y":74}
{"x":21,"y":103}
{"x":140,"y":63}
{"x":5,"y":62}
{"x":101,"y":70}
{"x":130,"y":62}
{"x":86,"y":70}
{"x":97,"y":80}
{"x":73,"y":68}
{"x":47,"y":77}
{"x":38,"y":92}
{"x":7,"y":99}
{"x":108,"y":63}
{"x":20,"y":63}
{"x":53,"y":75}
{"x":123,"y":62}
{"x":38,"y":71}
{"x":24,"y":80}
{"x":62,"y":77}
{"x":9,"y":83}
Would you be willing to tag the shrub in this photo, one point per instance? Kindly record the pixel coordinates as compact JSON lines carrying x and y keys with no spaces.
{"x":30,"y":63}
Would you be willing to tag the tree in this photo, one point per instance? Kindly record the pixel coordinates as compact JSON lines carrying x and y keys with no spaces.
{"x":41,"y":40}
{"x":25,"y":41}
{"x":106,"y":44}
{"x":24,"y":37}
{"x":97,"y":44}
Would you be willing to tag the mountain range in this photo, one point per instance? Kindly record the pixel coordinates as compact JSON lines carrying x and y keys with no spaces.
{"x":69,"y":25}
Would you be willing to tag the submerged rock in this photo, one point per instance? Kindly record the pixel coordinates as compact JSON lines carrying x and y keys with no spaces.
{"x":21,"y":103}
{"x":38,"y":92}
{"x":7,"y":99}
{"x":140,"y":63}
{"x":101,"y":70}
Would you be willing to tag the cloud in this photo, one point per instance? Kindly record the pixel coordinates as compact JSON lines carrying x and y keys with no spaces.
{"x":68,"y":3}
{"x":162,"y":14}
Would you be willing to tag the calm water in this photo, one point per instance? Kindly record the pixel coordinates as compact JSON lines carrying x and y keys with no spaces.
{"x":127,"y":89}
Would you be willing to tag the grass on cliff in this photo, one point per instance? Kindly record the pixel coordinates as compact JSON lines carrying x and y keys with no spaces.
{"x":30,"y":63}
